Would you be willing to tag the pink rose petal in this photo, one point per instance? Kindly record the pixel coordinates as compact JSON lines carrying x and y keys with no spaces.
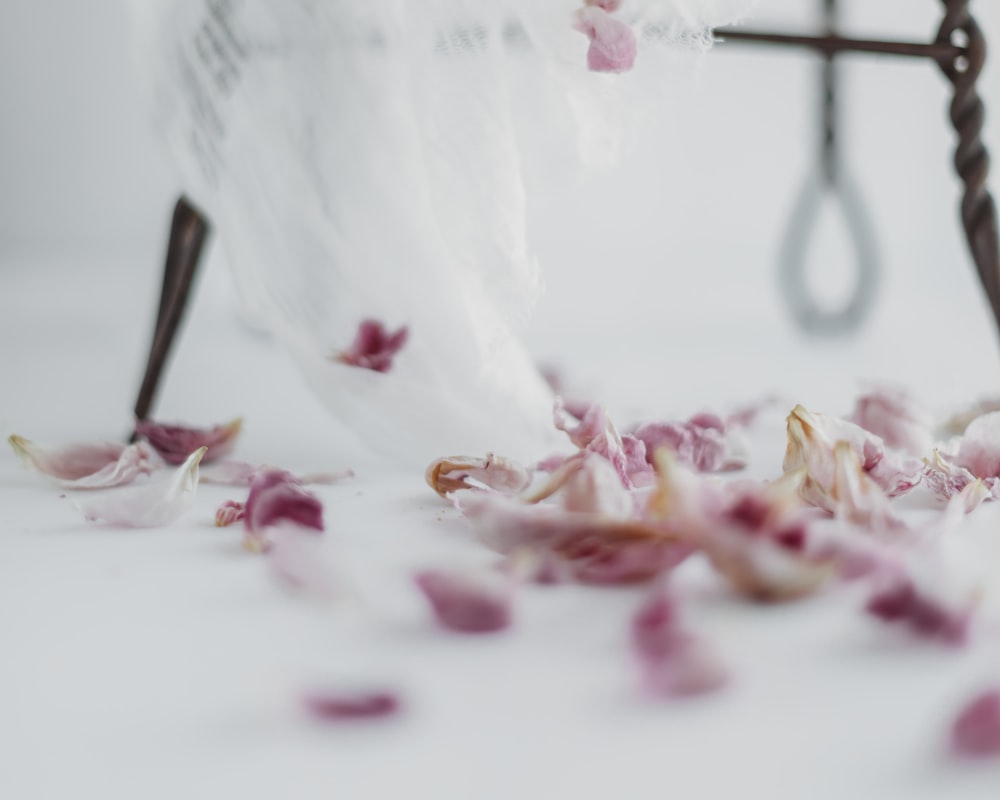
{"x":979,"y":449}
{"x":976,"y":730}
{"x":277,"y":498}
{"x":88,"y":466}
{"x":894,"y":416}
{"x":612,"y":42}
{"x":811,"y":441}
{"x":229,"y":512}
{"x":446,"y":475}
{"x":468,"y":602}
{"x":150,"y":506}
{"x":175,"y":443}
{"x":596,"y":433}
{"x":593,"y":547}
{"x":374,"y":347}
{"x":900,"y":601}
{"x":706,"y":442}
{"x":344,"y":705}
{"x":948,"y":480}
{"x":673,"y":661}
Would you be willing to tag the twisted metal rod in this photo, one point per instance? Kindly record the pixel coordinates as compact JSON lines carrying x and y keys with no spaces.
{"x":972,"y":161}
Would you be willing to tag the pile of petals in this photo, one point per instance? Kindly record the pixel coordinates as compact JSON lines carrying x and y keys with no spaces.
{"x":630,"y":508}
{"x":153,"y":481}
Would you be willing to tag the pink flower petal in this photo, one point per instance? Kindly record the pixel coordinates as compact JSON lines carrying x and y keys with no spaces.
{"x":755,"y":535}
{"x":229,"y":512}
{"x":857,"y":498}
{"x":176,"y":442}
{"x":468,"y":602}
{"x":673,"y":661}
{"x":894,"y":415}
{"x":596,"y":433}
{"x":594,"y":547}
{"x":242,"y":473}
{"x":446,"y":475}
{"x":612,"y":42}
{"x":976,"y":731}
{"x":608,"y":5}
{"x":276,"y":497}
{"x":344,"y":705}
{"x":296,"y":559}
{"x":706,"y":442}
{"x":811,"y":441}
{"x":374,"y":347}
{"x":900,"y":601}
{"x":88,"y":466}
{"x":948,"y":480}
{"x":979,"y":449}
{"x":150,"y":506}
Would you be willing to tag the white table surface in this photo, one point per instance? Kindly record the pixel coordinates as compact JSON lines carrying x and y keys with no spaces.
{"x":165,"y":663}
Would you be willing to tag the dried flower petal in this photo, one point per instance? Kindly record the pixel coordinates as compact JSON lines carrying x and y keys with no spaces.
{"x":976,"y":731}
{"x":901,"y":601}
{"x":705,"y":442}
{"x":979,"y":449}
{"x":276,"y":497}
{"x":857,"y":498}
{"x":754,"y":534}
{"x":612,"y":42}
{"x":88,"y":466}
{"x":948,"y":480}
{"x":596,"y":433}
{"x":467,"y":602}
{"x":454,"y":473}
{"x":373,"y":347}
{"x":811,"y":441}
{"x":892,"y":414}
{"x":229,"y":512}
{"x":175,"y":443}
{"x":296,"y":559}
{"x":672,"y":660}
{"x":596,"y":547}
{"x":149,"y":506}
{"x":343,"y":705}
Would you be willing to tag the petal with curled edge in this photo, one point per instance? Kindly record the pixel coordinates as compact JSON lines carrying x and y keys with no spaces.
{"x":810,"y":443}
{"x":454,"y":473}
{"x":947,"y":480}
{"x":175,"y":443}
{"x":88,"y":466}
{"x":374,"y":347}
{"x":755,"y":535}
{"x":228,"y":513}
{"x":150,"y":506}
{"x":277,"y":498}
{"x":705,"y":442}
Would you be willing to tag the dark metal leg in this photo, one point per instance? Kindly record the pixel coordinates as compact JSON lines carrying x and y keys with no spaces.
{"x":188,"y":232}
{"x":972,"y":161}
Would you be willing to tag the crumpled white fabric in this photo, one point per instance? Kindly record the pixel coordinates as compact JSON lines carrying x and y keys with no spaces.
{"x":370,"y":159}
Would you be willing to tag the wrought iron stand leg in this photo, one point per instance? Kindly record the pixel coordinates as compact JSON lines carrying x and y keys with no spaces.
{"x":188,"y":232}
{"x":972,"y":161}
